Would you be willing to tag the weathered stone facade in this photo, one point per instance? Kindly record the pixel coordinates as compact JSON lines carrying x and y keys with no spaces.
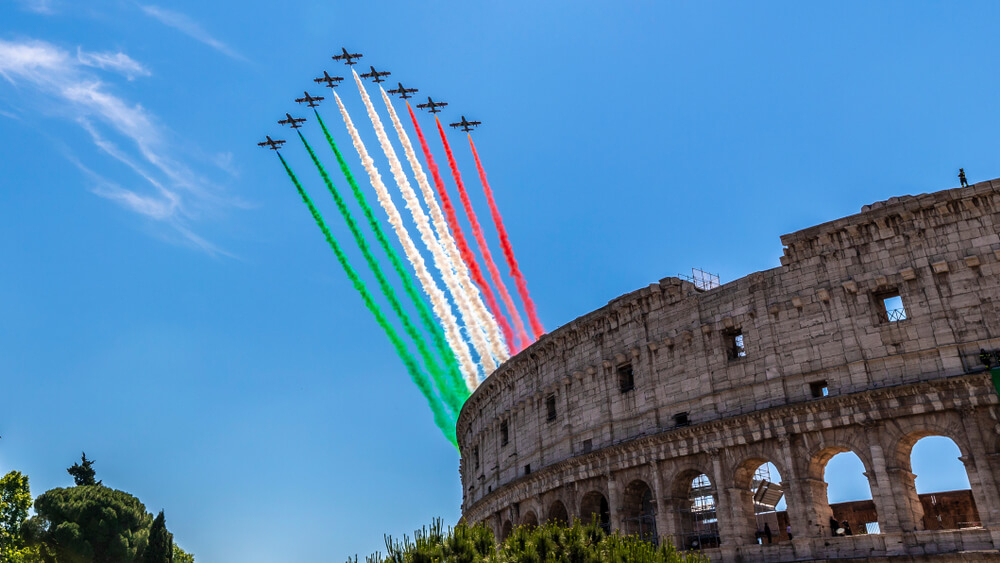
{"x":618,"y":410}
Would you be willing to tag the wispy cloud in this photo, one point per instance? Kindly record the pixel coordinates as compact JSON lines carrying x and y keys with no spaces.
{"x":175,"y":194}
{"x":39,"y":6}
{"x":189,"y":27}
{"x":119,"y":62}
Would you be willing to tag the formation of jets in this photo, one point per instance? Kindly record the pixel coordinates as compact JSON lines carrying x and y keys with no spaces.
{"x":403,"y":92}
{"x":466,"y":125}
{"x":295,"y":123}
{"x":432,"y":105}
{"x":329,"y":80}
{"x":377,"y":76}
{"x":309,"y":100}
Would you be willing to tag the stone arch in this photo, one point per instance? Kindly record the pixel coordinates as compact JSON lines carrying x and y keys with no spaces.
{"x":906,"y":433}
{"x":595,"y":504}
{"x":506,"y":529}
{"x":529,"y":519}
{"x":862,"y":515}
{"x":639,"y":510}
{"x":945,"y":507}
{"x":693,"y":499}
{"x":758,"y":499}
{"x":557,"y":513}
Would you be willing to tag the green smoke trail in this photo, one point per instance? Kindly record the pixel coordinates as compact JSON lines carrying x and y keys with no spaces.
{"x":419,"y":378}
{"x":458,"y":386}
{"x":453,"y":402}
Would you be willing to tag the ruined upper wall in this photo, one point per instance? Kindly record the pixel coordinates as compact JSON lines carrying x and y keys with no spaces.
{"x":814,"y":321}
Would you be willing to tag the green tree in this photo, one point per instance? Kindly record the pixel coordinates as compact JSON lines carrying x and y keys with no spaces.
{"x":89,"y":524}
{"x":181,"y":556}
{"x":83,"y":473}
{"x":15,"y":500}
{"x":160,"y":547}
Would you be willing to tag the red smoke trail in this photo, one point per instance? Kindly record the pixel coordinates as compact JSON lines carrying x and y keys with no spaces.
{"x":508,"y":250}
{"x":477,"y":231}
{"x":463,"y":246}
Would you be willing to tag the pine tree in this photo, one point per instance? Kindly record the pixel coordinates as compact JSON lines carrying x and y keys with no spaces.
{"x":160,"y":548}
{"x":83,"y":473}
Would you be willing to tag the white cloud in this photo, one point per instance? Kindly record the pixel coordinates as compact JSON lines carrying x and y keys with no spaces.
{"x":175,"y":192}
{"x":189,"y":27}
{"x":39,"y":6}
{"x":112,"y":61}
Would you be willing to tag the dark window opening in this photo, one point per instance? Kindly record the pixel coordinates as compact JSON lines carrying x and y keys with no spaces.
{"x":890,"y":307}
{"x":819,"y":389}
{"x":475,"y":455}
{"x":527,"y":469}
{"x":550,"y":408}
{"x":681,"y":419}
{"x":588,"y":445}
{"x":626,"y":378}
{"x":734,"y":345}
{"x":489,"y":489}
{"x":504,"y":435}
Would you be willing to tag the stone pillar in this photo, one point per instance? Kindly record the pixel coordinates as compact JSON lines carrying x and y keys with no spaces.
{"x":881,"y":486}
{"x":909,"y":511}
{"x":805,"y":497}
{"x":614,"y":506}
{"x":665,"y":527}
{"x":981,"y":476}
{"x":734,"y":522}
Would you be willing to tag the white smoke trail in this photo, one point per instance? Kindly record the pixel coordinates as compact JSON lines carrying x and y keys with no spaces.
{"x":483,"y":314}
{"x":485,"y":349}
{"x":438,"y":300}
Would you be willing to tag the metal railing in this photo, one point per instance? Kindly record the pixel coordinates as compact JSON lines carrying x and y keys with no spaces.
{"x":892,"y":315}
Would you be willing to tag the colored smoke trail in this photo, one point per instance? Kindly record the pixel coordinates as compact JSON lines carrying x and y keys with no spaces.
{"x":477,"y":232}
{"x":441,"y":227}
{"x":489,"y":349}
{"x":456,"y":383}
{"x":439,"y":302}
{"x":508,"y":250}
{"x":443,"y":422}
{"x":444,"y":388}
{"x":468,"y":258}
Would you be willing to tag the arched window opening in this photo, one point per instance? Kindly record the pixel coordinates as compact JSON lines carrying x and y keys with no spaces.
{"x":640,"y":511}
{"x":529,"y":519}
{"x":699,"y":525}
{"x":505,"y":530}
{"x":558,"y":513}
{"x":849,"y":495}
{"x":943,"y":485}
{"x":768,"y":499}
{"x":595,"y":506}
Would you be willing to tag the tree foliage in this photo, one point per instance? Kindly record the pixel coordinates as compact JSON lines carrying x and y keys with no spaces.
{"x":552,"y":543}
{"x":160,"y":547}
{"x":15,"y":500}
{"x":89,"y":524}
{"x":83,"y":473}
{"x":181,"y":556}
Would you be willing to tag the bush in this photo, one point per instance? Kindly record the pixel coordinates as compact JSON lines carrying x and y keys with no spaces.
{"x":551,"y":543}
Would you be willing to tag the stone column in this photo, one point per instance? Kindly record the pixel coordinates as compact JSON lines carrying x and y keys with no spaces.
{"x":664,"y":523}
{"x":614,"y":507}
{"x":981,"y":476}
{"x":805,"y":497}
{"x":734,"y":523}
{"x":885,"y":504}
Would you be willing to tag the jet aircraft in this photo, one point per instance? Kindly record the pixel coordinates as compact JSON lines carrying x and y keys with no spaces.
{"x":271,"y":143}
{"x":292,"y":121}
{"x":346,"y":57}
{"x":466,"y":125}
{"x":433,"y":105}
{"x":310,"y":99}
{"x":403,"y":92}
{"x":329,"y":80}
{"x":375,"y":75}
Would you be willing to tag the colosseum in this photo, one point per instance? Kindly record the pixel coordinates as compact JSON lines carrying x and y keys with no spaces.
{"x":700,"y":414}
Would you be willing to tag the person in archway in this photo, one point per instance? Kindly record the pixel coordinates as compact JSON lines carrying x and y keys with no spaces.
{"x":833,"y":526}
{"x":767,"y":532}
{"x":788,"y":531}
{"x":847,"y":528}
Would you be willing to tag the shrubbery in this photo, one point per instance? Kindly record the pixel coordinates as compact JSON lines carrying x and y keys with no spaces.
{"x":551,"y":543}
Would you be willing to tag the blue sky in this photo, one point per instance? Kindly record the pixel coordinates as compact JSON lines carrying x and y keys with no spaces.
{"x":169,"y":307}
